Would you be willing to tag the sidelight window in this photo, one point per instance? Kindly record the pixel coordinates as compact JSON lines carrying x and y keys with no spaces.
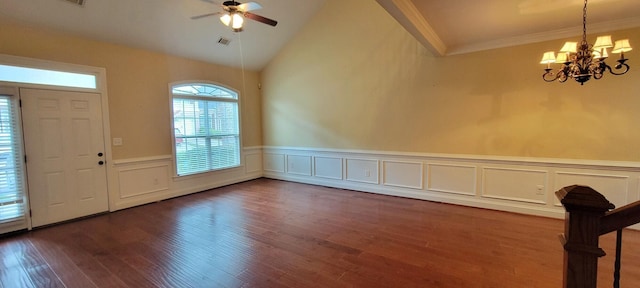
{"x":12,"y":199}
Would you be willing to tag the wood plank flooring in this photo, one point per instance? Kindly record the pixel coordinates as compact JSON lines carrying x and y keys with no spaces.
{"x":268,"y":233}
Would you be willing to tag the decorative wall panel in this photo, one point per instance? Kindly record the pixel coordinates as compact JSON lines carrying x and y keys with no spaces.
{"x":614,"y":187}
{"x":457,"y":179}
{"x":515,"y":184}
{"x":403,"y":174}
{"x":328,"y":167}
{"x":363,"y":170}
{"x":299,"y":165}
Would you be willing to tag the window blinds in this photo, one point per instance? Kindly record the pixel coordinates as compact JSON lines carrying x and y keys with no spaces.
{"x":206,"y":128}
{"x":12,"y":204}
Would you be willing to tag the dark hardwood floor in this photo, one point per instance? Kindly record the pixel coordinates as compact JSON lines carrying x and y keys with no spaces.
{"x":268,"y":233}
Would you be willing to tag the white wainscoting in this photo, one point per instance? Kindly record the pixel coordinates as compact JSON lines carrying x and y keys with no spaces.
{"x":613,"y":186}
{"x":144,"y":180}
{"x":362,"y":170}
{"x":403,"y":174}
{"x":521,"y":185}
{"x":150,"y":177}
{"x":328,"y":167}
{"x":450,"y":178}
{"x":274,"y":162}
{"x":299,"y":165}
{"x":514,"y":184}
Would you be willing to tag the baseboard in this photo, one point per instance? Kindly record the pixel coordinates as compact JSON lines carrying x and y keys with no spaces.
{"x":513,"y":184}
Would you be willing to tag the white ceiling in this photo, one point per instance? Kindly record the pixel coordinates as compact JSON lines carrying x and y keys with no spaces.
{"x":165,"y":26}
{"x":449,"y":27}
{"x":444,"y":26}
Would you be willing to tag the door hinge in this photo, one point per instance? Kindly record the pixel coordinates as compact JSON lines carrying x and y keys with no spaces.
{"x":20,"y":102}
{"x":30,"y":214}
{"x":25,"y":158}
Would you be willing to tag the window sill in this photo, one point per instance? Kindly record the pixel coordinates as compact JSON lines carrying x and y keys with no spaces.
{"x":207,"y":173}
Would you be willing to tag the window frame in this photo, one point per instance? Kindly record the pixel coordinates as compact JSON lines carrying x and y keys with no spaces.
{"x":235,"y":100}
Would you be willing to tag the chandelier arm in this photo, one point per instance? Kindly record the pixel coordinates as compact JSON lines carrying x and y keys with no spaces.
{"x":550,"y":76}
{"x":624,"y":67}
{"x":563,"y":79}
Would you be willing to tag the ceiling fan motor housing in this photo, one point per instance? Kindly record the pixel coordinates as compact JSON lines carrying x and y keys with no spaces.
{"x":230,"y":3}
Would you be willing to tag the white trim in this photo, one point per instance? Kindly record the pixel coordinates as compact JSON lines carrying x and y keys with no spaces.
{"x":101,"y":89}
{"x":119,"y":162}
{"x":582,"y":163}
{"x":601,"y":27}
{"x":535,"y":197}
{"x":252,"y":148}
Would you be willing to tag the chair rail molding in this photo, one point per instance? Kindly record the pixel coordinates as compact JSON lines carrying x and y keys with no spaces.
{"x":139,"y":181}
{"x":514,"y":184}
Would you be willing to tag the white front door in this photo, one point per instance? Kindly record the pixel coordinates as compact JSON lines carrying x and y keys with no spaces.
{"x":64,"y":145}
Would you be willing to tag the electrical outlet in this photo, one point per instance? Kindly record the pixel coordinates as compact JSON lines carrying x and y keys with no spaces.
{"x":367,"y":173}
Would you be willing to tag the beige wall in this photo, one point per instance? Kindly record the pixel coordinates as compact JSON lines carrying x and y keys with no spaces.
{"x":137,"y":85}
{"x":360,"y":81}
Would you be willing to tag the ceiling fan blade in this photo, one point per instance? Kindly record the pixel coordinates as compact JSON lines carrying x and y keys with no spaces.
{"x":205,"y":15}
{"x":249,"y":6}
{"x":261,"y":19}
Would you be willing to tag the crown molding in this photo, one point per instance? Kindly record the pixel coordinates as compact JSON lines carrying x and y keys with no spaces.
{"x":600,"y":27}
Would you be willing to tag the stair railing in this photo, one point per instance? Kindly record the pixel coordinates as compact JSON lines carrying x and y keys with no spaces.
{"x":589,"y":215}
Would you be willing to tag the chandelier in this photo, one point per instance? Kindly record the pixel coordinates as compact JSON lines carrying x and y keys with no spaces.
{"x":581,"y":61}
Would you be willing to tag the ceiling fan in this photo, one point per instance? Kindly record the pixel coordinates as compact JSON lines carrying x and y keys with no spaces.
{"x":235,"y":12}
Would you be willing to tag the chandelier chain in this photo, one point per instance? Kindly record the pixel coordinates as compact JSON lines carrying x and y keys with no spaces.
{"x":584,"y":23}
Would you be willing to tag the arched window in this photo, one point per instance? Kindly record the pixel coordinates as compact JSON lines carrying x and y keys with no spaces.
{"x":206,"y":127}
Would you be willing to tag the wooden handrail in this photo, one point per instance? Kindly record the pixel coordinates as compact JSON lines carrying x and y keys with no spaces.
{"x":585,"y":207}
{"x":590,"y":215}
{"x":620,"y":218}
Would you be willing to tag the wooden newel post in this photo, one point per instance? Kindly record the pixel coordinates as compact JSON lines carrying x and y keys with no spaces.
{"x":585,"y":208}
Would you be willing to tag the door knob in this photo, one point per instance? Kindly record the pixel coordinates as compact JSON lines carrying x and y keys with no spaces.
{"x":100,"y":154}
{"x":100,"y":162}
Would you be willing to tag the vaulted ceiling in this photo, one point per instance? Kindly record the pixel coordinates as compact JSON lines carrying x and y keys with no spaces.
{"x":166,"y":26}
{"x":444,"y":27}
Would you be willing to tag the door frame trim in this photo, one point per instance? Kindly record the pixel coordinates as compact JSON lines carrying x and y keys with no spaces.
{"x":101,"y":89}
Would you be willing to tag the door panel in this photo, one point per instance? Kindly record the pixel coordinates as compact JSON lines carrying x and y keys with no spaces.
{"x":63,"y":136}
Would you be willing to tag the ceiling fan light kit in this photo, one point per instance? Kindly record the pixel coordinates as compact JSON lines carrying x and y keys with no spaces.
{"x":234,"y":20}
{"x":583,"y":61}
{"x":235,"y":13}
